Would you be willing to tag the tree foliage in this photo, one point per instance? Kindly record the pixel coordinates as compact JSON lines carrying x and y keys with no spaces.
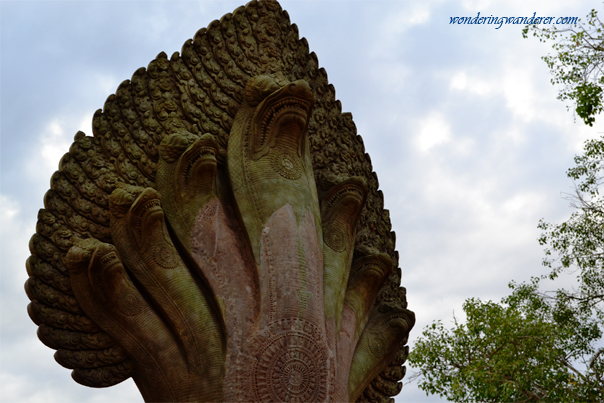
{"x":578,"y":63}
{"x":528,"y":348}
{"x":578,"y":244}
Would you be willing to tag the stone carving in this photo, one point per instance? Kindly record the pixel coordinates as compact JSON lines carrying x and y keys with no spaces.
{"x":222,"y":237}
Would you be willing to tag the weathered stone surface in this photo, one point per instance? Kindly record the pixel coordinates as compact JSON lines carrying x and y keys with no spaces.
{"x":222,"y":237}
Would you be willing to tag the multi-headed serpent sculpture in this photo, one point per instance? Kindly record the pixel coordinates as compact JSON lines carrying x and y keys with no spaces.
{"x":221,"y":237}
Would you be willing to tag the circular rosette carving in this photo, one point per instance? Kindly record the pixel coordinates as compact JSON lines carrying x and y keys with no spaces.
{"x":336,"y":238}
{"x":377,"y":345}
{"x":286,"y":362}
{"x":165,"y":257}
{"x":128,"y":303}
{"x":287,"y":164}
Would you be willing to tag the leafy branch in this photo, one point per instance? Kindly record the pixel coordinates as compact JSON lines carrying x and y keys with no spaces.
{"x":578,"y":63}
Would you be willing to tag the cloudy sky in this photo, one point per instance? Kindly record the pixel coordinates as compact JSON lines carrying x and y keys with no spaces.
{"x":462,"y":124}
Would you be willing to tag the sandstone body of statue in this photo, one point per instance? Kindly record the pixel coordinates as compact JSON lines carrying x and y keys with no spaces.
{"x":222,"y":236}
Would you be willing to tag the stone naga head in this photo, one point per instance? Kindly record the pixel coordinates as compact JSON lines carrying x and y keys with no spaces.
{"x":208,"y":244}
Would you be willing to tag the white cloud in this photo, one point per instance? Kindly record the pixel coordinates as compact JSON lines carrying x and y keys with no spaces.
{"x":400,"y":18}
{"x":106,"y":84}
{"x":520,"y":92}
{"x":419,"y":14}
{"x":85,"y":124}
{"x":459,"y":81}
{"x":474,"y":85}
{"x":8,"y":210}
{"x":13,"y":387}
{"x":398,"y":76}
{"x":15,"y":232}
{"x":477,"y":5}
{"x":412,"y":14}
{"x":433,"y":131}
{"x":54,"y":144}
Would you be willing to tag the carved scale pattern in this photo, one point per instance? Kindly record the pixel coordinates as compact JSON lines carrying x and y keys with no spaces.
{"x":199,"y":90}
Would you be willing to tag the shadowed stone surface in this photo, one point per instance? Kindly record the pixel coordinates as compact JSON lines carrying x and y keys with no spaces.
{"x":222,"y":237}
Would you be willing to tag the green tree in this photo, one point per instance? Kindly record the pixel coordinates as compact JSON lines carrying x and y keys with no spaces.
{"x":578,"y":63}
{"x":577,"y":245}
{"x":530,"y":347}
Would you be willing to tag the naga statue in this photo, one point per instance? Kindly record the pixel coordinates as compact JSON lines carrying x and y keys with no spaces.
{"x":222,"y":237}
